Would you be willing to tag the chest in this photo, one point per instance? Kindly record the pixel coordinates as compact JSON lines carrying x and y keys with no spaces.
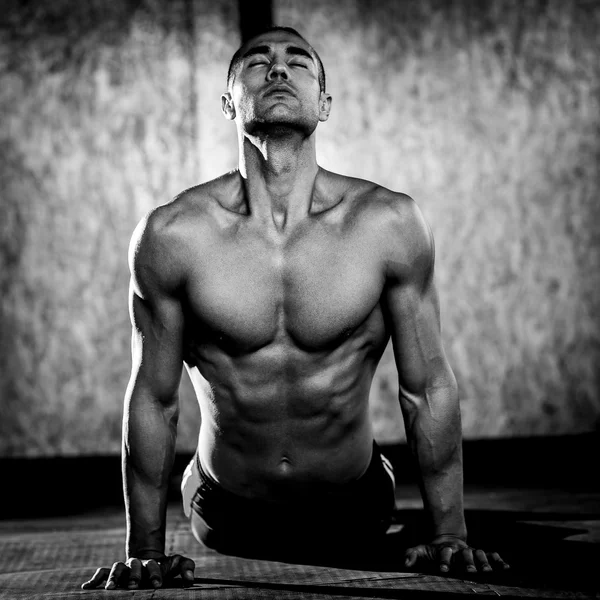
{"x":316,"y":290}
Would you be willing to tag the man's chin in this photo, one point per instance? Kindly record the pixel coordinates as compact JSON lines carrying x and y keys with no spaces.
{"x":281,"y":127}
{"x":280,"y":112}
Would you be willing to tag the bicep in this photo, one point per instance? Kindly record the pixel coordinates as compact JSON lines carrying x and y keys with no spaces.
{"x":414,"y":316}
{"x":156,"y":313}
{"x":412,"y":305}
{"x":157,"y":340}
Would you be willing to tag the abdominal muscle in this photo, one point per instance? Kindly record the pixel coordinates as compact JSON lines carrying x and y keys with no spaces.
{"x":262,"y":440}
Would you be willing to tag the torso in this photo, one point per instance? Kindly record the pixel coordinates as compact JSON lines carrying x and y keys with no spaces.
{"x":288,"y":331}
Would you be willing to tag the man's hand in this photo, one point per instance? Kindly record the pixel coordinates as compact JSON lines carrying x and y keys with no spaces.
{"x":447,"y":552}
{"x":137,"y":573}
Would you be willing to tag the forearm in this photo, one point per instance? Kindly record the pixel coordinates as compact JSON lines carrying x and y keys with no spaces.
{"x":434,"y":435}
{"x":149,"y":435}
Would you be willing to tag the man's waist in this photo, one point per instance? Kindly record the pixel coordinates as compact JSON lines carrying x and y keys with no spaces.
{"x":285,"y":475}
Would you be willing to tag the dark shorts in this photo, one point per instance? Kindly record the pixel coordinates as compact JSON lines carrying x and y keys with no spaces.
{"x":340,"y":520}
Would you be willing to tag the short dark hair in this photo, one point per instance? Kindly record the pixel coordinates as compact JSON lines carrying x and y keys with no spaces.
{"x":237,"y":57}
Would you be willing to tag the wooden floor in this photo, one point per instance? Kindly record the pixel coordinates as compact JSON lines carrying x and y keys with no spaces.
{"x":551,"y":537}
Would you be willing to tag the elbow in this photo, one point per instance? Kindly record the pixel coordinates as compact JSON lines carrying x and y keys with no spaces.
{"x":433,"y":408}
{"x":428,"y":394}
{"x":147,"y":410}
{"x":161,"y":395}
{"x":411,"y":402}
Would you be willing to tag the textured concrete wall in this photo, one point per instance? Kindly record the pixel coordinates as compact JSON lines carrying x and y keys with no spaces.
{"x":100,"y":123}
{"x":488,"y":119}
{"x":486,"y":113}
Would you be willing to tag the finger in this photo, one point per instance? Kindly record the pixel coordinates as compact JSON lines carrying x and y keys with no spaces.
{"x":186,"y":568}
{"x":135,"y":573}
{"x":498,"y":562}
{"x":467,"y":556}
{"x":410,"y":557}
{"x":153,"y":573}
{"x":171,"y":567}
{"x":98,"y":578}
{"x":116,"y":573}
{"x":482,"y":560}
{"x":445,"y":558}
{"x":176,"y":564}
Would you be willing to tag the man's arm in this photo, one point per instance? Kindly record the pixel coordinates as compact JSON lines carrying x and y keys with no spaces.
{"x":151,"y":409}
{"x":428,"y":389}
{"x":151,"y":401}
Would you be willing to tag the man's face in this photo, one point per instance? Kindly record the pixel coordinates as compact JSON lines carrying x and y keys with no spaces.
{"x":277,"y":83}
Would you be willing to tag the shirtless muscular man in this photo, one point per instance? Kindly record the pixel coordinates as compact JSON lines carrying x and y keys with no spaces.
{"x":278,"y":285}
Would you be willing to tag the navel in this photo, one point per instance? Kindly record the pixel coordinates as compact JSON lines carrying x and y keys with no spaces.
{"x":285,"y":464}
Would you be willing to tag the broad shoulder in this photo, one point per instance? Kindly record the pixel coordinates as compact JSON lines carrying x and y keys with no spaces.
{"x":408,"y":241}
{"x":403,"y":235}
{"x":161,"y":240}
{"x":399,"y":217}
{"x":396,"y":213}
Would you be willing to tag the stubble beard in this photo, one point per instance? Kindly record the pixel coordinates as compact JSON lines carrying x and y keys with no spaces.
{"x":290,"y":122}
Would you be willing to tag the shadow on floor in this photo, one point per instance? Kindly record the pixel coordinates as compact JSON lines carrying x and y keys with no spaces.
{"x":535,"y":545}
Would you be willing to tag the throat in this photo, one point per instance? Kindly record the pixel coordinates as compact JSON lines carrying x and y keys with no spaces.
{"x":278,"y":182}
{"x":280,"y":220}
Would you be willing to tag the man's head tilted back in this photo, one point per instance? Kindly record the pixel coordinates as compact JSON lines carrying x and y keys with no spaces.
{"x":237,"y":57}
{"x":276,"y":78}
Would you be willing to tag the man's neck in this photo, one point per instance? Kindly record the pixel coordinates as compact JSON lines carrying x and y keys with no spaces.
{"x":279,"y":173}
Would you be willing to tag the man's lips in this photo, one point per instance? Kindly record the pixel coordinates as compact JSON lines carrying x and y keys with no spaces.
{"x":279,"y":89}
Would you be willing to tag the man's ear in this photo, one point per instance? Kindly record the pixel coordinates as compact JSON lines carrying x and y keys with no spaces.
{"x":227,"y":106}
{"x":324,"y":106}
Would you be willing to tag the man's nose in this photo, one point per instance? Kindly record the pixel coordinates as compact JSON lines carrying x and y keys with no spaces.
{"x":278,"y":70}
